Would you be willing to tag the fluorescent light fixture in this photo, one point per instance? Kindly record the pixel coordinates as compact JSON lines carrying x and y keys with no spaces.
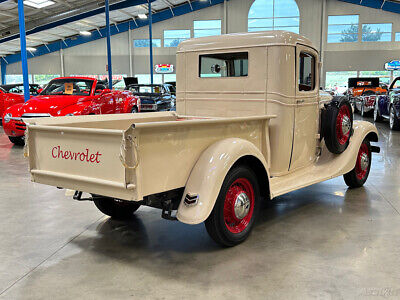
{"x":38,"y":3}
{"x":142,"y":16}
{"x":31,"y":49}
{"x":84,"y":32}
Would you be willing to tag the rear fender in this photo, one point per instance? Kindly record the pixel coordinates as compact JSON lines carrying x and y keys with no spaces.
{"x":207,"y":176}
{"x":347,"y":160}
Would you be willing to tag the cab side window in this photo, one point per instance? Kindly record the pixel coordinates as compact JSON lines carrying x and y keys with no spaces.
{"x":224,"y":65}
{"x":306,"y":72}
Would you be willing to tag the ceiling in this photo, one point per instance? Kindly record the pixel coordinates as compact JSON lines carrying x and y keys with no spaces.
{"x":60,"y":10}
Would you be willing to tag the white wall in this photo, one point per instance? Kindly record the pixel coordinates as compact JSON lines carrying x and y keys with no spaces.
{"x":90,"y":58}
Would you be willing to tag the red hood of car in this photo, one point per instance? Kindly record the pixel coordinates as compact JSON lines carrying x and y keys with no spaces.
{"x":48,"y":104}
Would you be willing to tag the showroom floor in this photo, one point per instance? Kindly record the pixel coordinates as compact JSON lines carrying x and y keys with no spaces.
{"x":320,"y":242}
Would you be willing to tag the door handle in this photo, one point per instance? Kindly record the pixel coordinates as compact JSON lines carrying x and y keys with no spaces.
{"x":300,"y":101}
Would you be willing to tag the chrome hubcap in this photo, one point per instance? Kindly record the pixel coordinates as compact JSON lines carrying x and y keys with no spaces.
{"x":346,"y":125}
{"x":242,"y":206}
{"x":364,"y":162}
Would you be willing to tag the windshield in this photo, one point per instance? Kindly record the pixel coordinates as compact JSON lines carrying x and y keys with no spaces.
{"x":145,"y":89}
{"x":69,"y":87}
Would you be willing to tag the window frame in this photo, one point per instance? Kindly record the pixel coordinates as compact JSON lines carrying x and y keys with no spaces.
{"x":314,"y":56}
{"x":180,"y":38}
{"x":383,"y":32}
{"x":223,"y":77}
{"x":204,"y":29}
{"x":273,"y":19}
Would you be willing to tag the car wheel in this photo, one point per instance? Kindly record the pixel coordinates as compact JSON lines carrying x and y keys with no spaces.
{"x":17,"y":140}
{"x":359,"y":175}
{"x":236,"y":208}
{"x":377,"y":116}
{"x":338,"y":126}
{"x":393,"y":120}
{"x":134,"y":110}
{"x":115,"y":208}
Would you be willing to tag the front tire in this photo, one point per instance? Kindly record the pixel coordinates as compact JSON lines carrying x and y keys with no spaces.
{"x":115,"y":208}
{"x":17,"y":140}
{"x":393,"y":120}
{"x":359,"y":175}
{"x":235,"y":209}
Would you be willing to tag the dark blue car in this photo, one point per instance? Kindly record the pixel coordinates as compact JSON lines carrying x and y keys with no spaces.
{"x":387,"y":107}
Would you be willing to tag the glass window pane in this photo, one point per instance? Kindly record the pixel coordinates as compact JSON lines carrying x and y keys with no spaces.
{"x":207,"y":24}
{"x":274,"y":15}
{"x":206,"y":32}
{"x":342,"y":28}
{"x":145,"y":78}
{"x":183,"y":34}
{"x":307,"y":72}
{"x":43,"y":78}
{"x":224,"y":65}
{"x":262,"y":9}
{"x":11,"y":79}
{"x":146,"y":43}
{"x":285,"y":8}
{"x":338,"y":79}
{"x":397,"y":37}
{"x":386,"y":27}
{"x":342,"y":38}
{"x":347,"y":19}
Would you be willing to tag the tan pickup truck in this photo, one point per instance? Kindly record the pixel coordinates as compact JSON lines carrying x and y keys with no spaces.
{"x":250,"y":125}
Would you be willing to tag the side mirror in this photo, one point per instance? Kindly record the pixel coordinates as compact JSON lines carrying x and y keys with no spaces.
{"x":39,"y":91}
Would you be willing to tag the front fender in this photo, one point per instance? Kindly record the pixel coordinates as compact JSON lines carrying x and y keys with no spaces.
{"x":208,"y":174}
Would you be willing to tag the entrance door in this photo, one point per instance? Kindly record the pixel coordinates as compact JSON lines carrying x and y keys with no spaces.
{"x":307,"y":108}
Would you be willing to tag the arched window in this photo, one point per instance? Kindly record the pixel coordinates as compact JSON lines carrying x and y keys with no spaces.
{"x":274,"y":15}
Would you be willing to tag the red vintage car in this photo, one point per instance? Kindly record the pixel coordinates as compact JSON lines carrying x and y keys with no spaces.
{"x":11,"y":94}
{"x":67,"y":96}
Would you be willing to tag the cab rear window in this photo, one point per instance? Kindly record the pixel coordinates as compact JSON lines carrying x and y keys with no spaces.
{"x":224,"y":65}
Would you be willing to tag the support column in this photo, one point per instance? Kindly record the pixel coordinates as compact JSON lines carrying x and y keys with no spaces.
{"x":130,"y":45}
{"x":24,"y":56}
{"x":3,"y":66}
{"x":225,"y":24}
{"x":151,"y":43}
{"x":108,"y":44}
{"x":322,"y":43}
{"x":62,"y":61}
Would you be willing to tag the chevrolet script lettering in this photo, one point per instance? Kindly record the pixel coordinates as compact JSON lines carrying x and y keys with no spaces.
{"x":57,"y":153}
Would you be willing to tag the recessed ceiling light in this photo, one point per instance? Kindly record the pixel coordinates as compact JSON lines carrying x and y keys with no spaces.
{"x":84,"y":32}
{"x":38,"y":3}
{"x":31,"y":49}
{"x":142,"y":16}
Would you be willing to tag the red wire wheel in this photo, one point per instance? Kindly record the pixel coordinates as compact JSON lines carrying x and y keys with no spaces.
{"x":343,"y":125}
{"x":239,"y":205}
{"x":363,"y":161}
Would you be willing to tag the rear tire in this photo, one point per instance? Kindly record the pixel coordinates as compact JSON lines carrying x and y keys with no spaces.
{"x":17,"y":140}
{"x":117,"y":209}
{"x":235,"y":209}
{"x":359,"y":175}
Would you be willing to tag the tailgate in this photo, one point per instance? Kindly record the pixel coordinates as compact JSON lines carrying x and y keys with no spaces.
{"x":83,"y":159}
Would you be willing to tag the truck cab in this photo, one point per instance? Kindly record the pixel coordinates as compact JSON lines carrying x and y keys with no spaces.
{"x":260,"y":73}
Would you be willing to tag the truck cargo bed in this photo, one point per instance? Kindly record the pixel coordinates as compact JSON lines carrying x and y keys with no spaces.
{"x":129,"y":156}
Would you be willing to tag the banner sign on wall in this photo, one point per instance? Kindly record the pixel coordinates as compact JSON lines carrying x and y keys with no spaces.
{"x":164,"y":68}
{"x":393,"y":65}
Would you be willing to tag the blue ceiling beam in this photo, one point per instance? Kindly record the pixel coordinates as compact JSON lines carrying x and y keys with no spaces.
{"x":116,"y":6}
{"x":123,"y":27}
{"x":389,"y":6}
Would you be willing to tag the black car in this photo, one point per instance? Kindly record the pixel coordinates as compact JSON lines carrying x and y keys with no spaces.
{"x":18,"y":88}
{"x":156,"y":97}
{"x":388,"y":106}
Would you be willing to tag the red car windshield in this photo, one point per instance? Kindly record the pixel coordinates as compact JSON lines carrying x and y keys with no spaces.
{"x":69,"y":87}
